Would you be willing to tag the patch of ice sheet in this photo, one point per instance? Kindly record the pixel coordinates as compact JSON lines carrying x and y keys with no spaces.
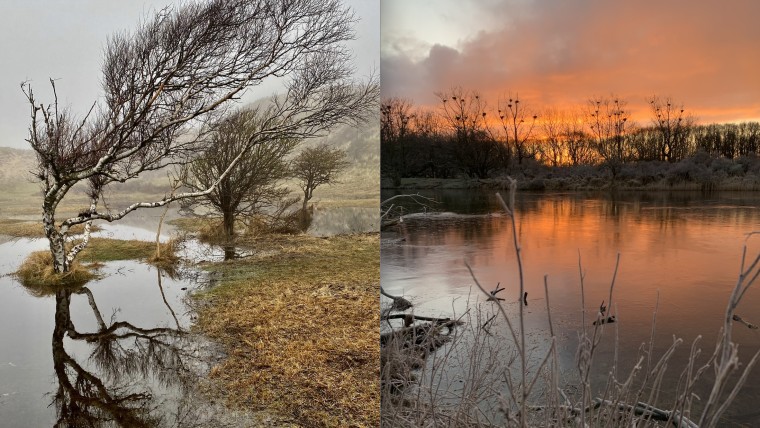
{"x":447,"y":215}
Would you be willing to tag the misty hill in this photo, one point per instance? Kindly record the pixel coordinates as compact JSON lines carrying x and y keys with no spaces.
{"x":15,"y":166}
{"x":361,"y":144}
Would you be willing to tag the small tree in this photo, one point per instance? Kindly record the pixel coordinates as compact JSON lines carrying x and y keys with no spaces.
{"x":316,"y":166}
{"x":163,"y":82}
{"x":252,"y":186}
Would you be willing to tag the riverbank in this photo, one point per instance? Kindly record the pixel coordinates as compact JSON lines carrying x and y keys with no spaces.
{"x":577,"y":184}
{"x":697,"y":173}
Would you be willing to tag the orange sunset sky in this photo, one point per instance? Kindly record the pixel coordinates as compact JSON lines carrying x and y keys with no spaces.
{"x":704,"y":54}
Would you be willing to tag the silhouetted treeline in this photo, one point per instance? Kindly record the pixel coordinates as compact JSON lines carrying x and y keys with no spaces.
{"x":464,"y":137}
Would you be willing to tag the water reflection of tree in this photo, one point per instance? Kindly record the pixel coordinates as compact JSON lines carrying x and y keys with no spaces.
{"x":129,"y":363}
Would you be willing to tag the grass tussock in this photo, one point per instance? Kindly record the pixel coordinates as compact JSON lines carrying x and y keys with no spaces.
{"x":206,"y":229}
{"x":300,"y":324}
{"x":37,"y":274}
{"x":165,"y":256}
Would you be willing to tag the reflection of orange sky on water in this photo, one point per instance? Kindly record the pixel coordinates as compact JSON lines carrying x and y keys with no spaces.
{"x":692,"y":259}
{"x":687,"y":250}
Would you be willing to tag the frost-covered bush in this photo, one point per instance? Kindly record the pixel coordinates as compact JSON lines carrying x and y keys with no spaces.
{"x":688,"y":170}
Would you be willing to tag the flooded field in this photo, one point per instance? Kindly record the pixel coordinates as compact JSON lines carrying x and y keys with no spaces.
{"x":119,"y":348}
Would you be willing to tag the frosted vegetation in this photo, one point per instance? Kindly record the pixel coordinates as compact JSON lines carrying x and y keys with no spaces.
{"x":593,"y":145}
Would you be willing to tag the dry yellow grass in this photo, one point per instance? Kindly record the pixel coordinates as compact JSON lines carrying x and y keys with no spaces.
{"x":300,"y":324}
{"x":37,"y":269}
{"x":36,"y":273}
{"x":106,"y":249}
{"x":165,"y":256}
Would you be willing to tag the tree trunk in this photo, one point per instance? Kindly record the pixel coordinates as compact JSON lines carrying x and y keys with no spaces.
{"x":306,"y":198}
{"x":229,"y":225}
{"x":56,"y":240}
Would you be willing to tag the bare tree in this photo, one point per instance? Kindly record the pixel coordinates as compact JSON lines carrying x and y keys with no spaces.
{"x":552,"y":148}
{"x":517,"y":123}
{"x":253,"y":185}
{"x":316,"y":166}
{"x":579,"y":151}
{"x":609,"y":124}
{"x":465,"y":114}
{"x":395,"y":122}
{"x":673,"y":126}
{"x":166,"y":79}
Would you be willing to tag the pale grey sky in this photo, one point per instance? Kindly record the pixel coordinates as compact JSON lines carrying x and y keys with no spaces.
{"x":64,"y":40}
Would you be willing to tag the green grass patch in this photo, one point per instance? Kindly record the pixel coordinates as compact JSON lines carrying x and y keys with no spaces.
{"x":21,"y":228}
{"x":106,"y":250}
{"x":32,"y":229}
{"x":300,"y":324}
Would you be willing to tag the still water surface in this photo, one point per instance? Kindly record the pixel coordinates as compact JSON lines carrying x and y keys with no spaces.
{"x":684,"y":247}
{"x":117,"y":352}
{"x":118,"y":349}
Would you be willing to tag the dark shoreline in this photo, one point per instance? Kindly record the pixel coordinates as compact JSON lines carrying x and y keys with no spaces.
{"x":743,"y":184}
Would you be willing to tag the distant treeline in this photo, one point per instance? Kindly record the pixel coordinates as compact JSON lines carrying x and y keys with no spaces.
{"x":464,"y":137}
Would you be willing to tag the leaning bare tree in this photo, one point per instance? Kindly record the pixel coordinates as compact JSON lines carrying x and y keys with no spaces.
{"x":163,"y":82}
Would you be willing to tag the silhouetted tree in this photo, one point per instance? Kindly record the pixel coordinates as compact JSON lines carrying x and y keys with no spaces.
{"x":551,"y":148}
{"x":465,"y":115}
{"x":395,"y":126}
{"x":673,"y":126}
{"x":577,"y":141}
{"x":608,"y":120}
{"x":165,"y":79}
{"x":518,"y":124}
{"x":749,"y":138}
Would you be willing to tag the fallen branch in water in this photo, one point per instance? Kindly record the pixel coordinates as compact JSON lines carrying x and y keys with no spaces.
{"x":652,"y":412}
{"x":399,"y":303}
{"x":409,"y":319}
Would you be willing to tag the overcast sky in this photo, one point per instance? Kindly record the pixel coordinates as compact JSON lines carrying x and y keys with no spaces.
{"x":555,"y":53}
{"x":64,"y":40}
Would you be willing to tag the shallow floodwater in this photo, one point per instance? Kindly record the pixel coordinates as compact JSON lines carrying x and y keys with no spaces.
{"x":684,"y":247}
{"x":117,"y":349}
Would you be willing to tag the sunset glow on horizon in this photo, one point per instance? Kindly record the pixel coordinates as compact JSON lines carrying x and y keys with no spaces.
{"x":559,"y":55}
